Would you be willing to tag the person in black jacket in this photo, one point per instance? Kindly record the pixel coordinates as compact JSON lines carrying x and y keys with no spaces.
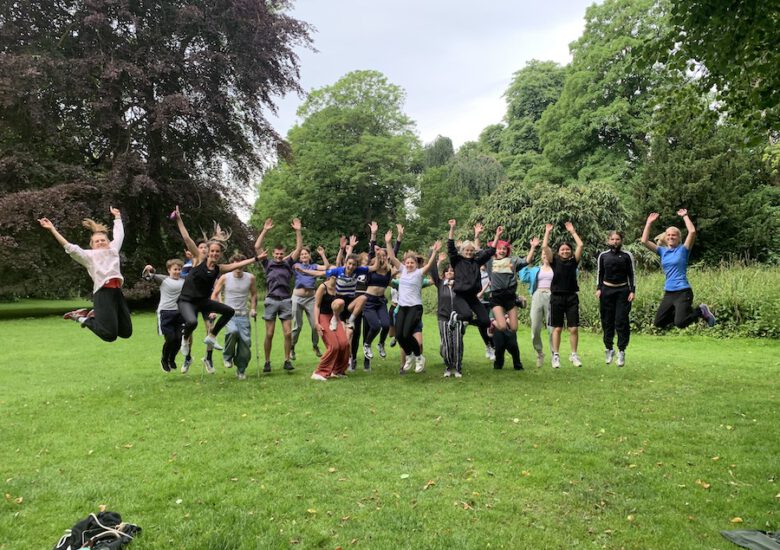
{"x":467,"y":281}
{"x":615,"y":291}
{"x":450,"y":335}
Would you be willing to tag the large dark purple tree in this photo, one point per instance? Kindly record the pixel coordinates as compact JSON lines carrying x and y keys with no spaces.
{"x":142,"y":104}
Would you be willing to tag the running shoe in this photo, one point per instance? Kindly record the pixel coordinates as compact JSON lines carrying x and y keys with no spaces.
{"x":334,"y":323}
{"x":352,"y":365}
{"x":419,"y":364}
{"x":76,"y":314}
{"x":490,"y":353}
{"x":447,"y":374}
{"x":241,"y":376}
{"x":185,"y":367}
{"x":707,"y":315}
{"x":556,"y":361}
{"x":172,"y":366}
{"x":228,"y":363}
{"x":408,"y":363}
{"x":350,"y":324}
{"x":381,"y":349}
{"x":319,"y":377}
{"x":609,"y":354}
{"x":458,"y":374}
{"x":393,"y":342}
{"x":539,"y":359}
{"x":288,"y":366}
{"x":164,"y":365}
{"x":267,"y":367}
{"x":212,"y":341}
{"x":292,"y":354}
{"x":366,"y":364}
{"x":317,"y":351}
{"x":209,"y":366}
{"x":367,"y":353}
{"x":575,"y":360}
{"x":621,"y":358}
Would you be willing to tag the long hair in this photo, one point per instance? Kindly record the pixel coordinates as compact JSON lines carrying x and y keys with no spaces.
{"x":220,"y":237}
{"x":94,"y":226}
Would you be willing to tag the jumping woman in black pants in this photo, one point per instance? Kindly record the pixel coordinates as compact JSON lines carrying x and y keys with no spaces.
{"x":615,"y":291}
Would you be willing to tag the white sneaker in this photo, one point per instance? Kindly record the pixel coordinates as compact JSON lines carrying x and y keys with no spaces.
{"x":539,"y":359}
{"x":556,"y":361}
{"x":211,"y":341}
{"x":208,"y":365}
{"x":228,"y":363}
{"x":621,"y":360}
{"x":408,"y":363}
{"x":575,"y":360}
{"x":334,"y":323}
{"x":609,"y":354}
{"x":241,"y":376}
{"x":367,"y":353}
{"x":185,"y":347}
{"x":186,"y":366}
{"x":319,"y":377}
{"x":447,"y":374}
{"x":458,"y":374}
{"x":350,"y":323}
{"x":490,"y":353}
{"x":420,"y":366}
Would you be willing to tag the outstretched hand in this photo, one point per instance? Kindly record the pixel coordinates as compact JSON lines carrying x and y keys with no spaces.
{"x":548,"y":227}
{"x":652,"y":217}
{"x":682,"y":212}
{"x":353,"y":240}
{"x":268,"y":224}
{"x":115,"y":212}
{"x":46,"y":223}
{"x":389,"y":236}
{"x":296,"y":224}
{"x":452,"y":223}
{"x":262,"y":254}
{"x":400,"y":229}
{"x":478,"y":228}
{"x":442,"y":256}
{"x":342,"y":242}
{"x":436,"y":246}
{"x":373,"y":227}
{"x":569,"y":227}
{"x":320,"y":251}
{"x":535,"y":242}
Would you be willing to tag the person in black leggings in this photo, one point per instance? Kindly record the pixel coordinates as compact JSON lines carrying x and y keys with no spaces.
{"x":615,"y":292}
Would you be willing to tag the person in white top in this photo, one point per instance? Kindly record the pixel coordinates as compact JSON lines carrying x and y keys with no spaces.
{"x":110,"y":317}
{"x":410,"y":307}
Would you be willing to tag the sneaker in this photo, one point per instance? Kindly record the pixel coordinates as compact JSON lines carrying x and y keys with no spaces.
{"x":209,"y":366}
{"x":381,"y":349}
{"x":490,"y":353}
{"x":539,"y":359}
{"x":185,"y":367}
{"x":366,"y":365}
{"x":621,"y":359}
{"x":228,"y":363}
{"x":241,"y":376}
{"x":575,"y":360}
{"x":319,"y":377}
{"x":185,"y":347}
{"x":172,"y":366}
{"x":408,"y":363}
{"x":609,"y":354}
{"x":419,"y":364}
{"x":518,"y":366}
{"x":458,"y":374}
{"x":212,"y":341}
{"x":334,"y":323}
{"x":367,"y":353}
{"x":292,"y":354}
{"x":352,"y":366}
{"x":393,"y":342}
{"x":317,"y":351}
{"x":288,"y":366}
{"x":707,"y":315}
{"x":164,"y":365}
{"x":447,"y":373}
{"x":451,"y":323}
{"x":76,"y":314}
{"x":350,"y":323}
{"x":556,"y":361}
{"x":267,"y":366}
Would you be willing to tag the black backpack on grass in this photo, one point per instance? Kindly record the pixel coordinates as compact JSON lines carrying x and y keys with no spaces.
{"x":104,"y":531}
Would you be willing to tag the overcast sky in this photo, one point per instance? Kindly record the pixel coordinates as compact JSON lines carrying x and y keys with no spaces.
{"x":454,"y":58}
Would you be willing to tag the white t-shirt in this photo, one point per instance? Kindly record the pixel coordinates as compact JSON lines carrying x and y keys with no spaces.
{"x":410,"y":287}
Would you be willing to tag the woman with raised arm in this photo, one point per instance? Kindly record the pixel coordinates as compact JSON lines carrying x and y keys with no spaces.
{"x":380,"y":275}
{"x":615,"y":291}
{"x":410,"y":306}
{"x":564,"y":301}
{"x":303,"y":299}
{"x":539,"y":279}
{"x":450,"y":337}
{"x":676,"y":306}
{"x":110,"y":317}
{"x":335,"y":360}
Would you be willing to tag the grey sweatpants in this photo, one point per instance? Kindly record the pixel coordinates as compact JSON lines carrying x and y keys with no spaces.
{"x":540,"y":316}
{"x":301,"y":305}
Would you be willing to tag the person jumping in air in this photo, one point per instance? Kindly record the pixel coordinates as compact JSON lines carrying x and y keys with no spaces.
{"x":110,"y":316}
{"x":564,"y":301}
{"x":170,"y":324}
{"x":676,"y":306}
{"x":615,"y":292}
{"x":303,"y":299}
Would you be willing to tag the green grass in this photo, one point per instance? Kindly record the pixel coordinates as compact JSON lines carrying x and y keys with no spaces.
{"x":594,"y":457}
{"x":36,"y":308}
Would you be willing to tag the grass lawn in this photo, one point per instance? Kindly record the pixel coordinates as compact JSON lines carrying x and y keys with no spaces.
{"x":35,"y":308}
{"x":664,"y":453}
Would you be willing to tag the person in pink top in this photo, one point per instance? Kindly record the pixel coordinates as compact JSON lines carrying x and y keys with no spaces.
{"x":110,"y":317}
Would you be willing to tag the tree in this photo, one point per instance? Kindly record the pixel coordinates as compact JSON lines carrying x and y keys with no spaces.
{"x":354,"y":158}
{"x":735,"y":43}
{"x":142,"y":105}
{"x":438,"y":153}
{"x":475,"y":172}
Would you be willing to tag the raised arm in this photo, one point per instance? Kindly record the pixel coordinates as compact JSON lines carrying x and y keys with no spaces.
{"x":645,"y":240}
{"x":478,"y":229}
{"x":573,"y":232}
{"x":432,"y":260}
{"x":225,"y":268}
{"x":119,"y":230}
{"x":373,"y":228}
{"x":267,"y":226}
{"x":321,"y":252}
{"x":546,"y":250}
{"x":691,"y":238}
{"x":391,"y":257}
{"x":342,"y":249}
{"x":47,"y":224}
{"x":351,"y":246}
{"x":296,"y":225}
{"x":534,"y":245}
{"x":188,"y":242}
{"x":399,"y":236}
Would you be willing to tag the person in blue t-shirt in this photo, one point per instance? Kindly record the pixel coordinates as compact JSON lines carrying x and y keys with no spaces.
{"x":676,"y":306}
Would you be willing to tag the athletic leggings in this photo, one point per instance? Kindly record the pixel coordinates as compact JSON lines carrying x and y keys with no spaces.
{"x":112,"y":316}
{"x":376,"y":318}
{"x":614,"y":308}
{"x":506,"y":341}
{"x":405,"y":324}
{"x":676,"y":308}
{"x":468,"y":306}
{"x":189,"y":312}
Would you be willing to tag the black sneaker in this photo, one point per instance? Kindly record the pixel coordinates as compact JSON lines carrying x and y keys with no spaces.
{"x":366,"y":365}
{"x":317,"y":351}
{"x":519,"y":366}
{"x":352,"y":365}
{"x":288,"y":366}
{"x":267,"y":366}
{"x":164,"y":365}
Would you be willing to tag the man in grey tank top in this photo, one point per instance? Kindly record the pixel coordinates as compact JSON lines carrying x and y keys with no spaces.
{"x":237,"y":289}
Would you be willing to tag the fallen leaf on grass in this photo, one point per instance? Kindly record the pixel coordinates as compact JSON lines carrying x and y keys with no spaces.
{"x":179,"y":501}
{"x":233,"y":479}
{"x":715,"y":458}
{"x":102,"y":507}
{"x":736,"y":520}
{"x":19,"y":500}
{"x":466,"y":506}
{"x":525,"y":473}
{"x":344,"y":518}
{"x":428,"y":485}
{"x":516,"y":420}
{"x":331,"y":470}
{"x":404,"y":476}
{"x":703,"y":484}
{"x":311,"y":511}
{"x":128,"y":445}
{"x":631,"y":517}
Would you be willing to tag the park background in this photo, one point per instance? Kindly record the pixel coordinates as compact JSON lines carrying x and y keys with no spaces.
{"x":143,"y":106}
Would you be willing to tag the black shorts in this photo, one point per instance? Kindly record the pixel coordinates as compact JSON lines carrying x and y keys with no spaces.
{"x":503,"y":298}
{"x":565,"y":306}
{"x":345,"y":313}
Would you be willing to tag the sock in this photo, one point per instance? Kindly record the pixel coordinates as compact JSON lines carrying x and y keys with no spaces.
{"x":209,"y":352}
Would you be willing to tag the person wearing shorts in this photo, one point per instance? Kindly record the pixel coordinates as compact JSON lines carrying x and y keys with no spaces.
{"x":564,"y":301}
{"x":279,"y":273}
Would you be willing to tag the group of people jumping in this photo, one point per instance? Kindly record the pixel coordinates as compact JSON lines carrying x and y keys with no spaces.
{"x":475,"y":285}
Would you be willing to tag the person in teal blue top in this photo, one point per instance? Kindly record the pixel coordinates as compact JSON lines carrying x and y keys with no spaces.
{"x":676,"y":306}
